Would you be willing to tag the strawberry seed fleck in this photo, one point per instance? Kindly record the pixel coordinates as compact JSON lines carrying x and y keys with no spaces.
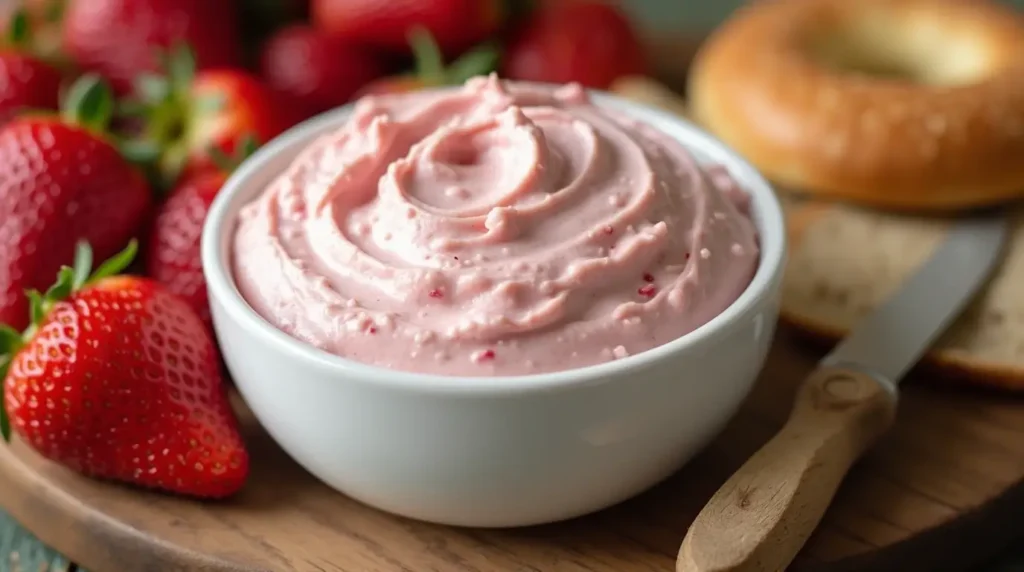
{"x":649,"y":290}
{"x":648,"y":277}
{"x":608,"y":229}
{"x":436,"y":293}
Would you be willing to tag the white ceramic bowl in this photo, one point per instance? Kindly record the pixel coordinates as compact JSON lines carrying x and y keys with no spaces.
{"x":496,"y":451}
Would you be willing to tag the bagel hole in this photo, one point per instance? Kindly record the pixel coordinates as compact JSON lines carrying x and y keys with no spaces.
{"x":849,"y":60}
{"x":908,"y":50}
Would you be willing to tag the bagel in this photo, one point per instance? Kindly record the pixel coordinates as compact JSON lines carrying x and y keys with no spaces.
{"x":894,"y":104}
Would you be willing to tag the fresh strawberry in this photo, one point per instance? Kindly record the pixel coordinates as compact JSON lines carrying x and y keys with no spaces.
{"x":121,"y":38}
{"x":562,"y":41}
{"x":26,"y":82}
{"x":62,"y":179}
{"x":140,"y":398}
{"x":173,"y":251}
{"x":317,"y":70}
{"x":457,"y":24}
{"x":430,"y":69}
{"x":186,"y":113}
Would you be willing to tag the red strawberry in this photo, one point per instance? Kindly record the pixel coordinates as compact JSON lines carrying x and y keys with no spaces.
{"x":120,"y":38}
{"x":317,"y":70}
{"x":173,"y":257}
{"x":562,"y":41}
{"x":62,"y":180}
{"x":26,"y":82}
{"x":430,"y":70}
{"x":457,"y":24}
{"x":185,"y":114}
{"x":140,"y":398}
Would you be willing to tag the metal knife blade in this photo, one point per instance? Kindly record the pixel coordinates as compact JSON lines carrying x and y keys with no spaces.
{"x":765,"y":512}
{"x":893,"y":337}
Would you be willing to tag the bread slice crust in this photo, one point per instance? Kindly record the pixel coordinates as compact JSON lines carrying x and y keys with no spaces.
{"x":845,"y":260}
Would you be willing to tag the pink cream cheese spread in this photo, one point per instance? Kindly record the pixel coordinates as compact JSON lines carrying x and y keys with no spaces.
{"x":497,"y":228}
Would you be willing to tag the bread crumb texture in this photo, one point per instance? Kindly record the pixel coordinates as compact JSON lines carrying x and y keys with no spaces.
{"x":844,"y":261}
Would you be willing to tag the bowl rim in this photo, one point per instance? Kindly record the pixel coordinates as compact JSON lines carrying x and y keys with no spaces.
{"x":221,"y":220}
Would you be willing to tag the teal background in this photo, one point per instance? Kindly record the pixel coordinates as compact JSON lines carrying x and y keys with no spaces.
{"x":669,"y":15}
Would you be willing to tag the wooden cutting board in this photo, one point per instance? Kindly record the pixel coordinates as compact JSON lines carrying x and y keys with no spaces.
{"x":943,"y":491}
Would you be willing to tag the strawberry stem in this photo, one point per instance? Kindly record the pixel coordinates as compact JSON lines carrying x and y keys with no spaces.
{"x":89,"y":103}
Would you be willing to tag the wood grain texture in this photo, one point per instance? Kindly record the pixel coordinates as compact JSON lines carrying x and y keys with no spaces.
{"x":764,"y":513}
{"x":952,"y":469}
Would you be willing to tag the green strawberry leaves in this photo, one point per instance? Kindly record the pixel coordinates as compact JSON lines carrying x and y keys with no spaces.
{"x":429,"y":61}
{"x":89,"y":103}
{"x":430,"y":66}
{"x":481,"y":60}
{"x":10,"y":341}
{"x":18,"y":31}
{"x":5,"y":421}
{"x":70,"y":279}
{"x":83,"y":264}
{"x":244,"y":149}
{"x":165,"y":105}
{"x":152,"y":90}
{"x":180,"y":64}
{"x":112,"y":266}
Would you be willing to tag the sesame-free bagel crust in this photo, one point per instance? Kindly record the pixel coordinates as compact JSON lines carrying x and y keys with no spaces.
{"x":946,"y":133}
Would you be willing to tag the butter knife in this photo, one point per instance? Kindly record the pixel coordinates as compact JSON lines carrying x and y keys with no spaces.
{"x":762,"y":516}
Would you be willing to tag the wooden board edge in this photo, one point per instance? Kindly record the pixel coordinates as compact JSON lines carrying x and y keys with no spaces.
{"x":102,"y":544}
{"x":86,"y":536}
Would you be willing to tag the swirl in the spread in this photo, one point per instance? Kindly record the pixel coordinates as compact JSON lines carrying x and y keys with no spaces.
{"x":493,"y":229}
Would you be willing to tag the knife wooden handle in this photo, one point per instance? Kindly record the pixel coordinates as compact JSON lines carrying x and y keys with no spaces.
{"x":761,"y":517}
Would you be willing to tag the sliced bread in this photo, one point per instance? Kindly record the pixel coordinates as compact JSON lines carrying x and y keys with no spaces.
{"x":844,"y":261}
